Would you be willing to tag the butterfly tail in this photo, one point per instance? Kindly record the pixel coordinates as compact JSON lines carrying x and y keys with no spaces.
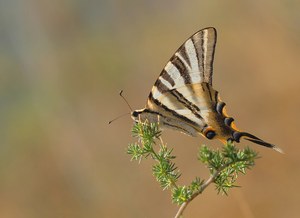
{"x":238,"y":135}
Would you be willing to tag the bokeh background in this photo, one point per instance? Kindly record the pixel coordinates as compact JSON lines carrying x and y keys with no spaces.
{"x":62,"y":64}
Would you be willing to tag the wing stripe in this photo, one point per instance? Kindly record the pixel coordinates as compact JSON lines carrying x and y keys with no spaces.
{"x":165,"y":75}
{"x":153,"y":112}
{"x":207,"y":86}
{"x":174,"y":73}
{"x":216,"y":97}
{"x":184,"y":61}
{"x":211,"y":40}
{"x":161,"y":87}
{"x":155,"y":92}
{"x":203,"y":54}
{"x":204,"y":46}
{"x":192,"y":107}
{"x":182,"y":51}
{"x":182,"y":69}
{"x":192,"y":54}
{"x":174,"y":113}
{"x":198,"y":43}
{"x":185,"y":101}
{"x":212,"y":62}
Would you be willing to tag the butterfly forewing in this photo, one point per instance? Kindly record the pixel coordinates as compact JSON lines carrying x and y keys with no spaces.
{"x":178,"y":93}
{"x":192,"y":62}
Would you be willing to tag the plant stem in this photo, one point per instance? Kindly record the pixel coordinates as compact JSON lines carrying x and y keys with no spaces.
{"x":203,"y":186}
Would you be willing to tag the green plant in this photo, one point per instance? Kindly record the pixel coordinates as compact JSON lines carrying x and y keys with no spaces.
{"x":224,"y":165}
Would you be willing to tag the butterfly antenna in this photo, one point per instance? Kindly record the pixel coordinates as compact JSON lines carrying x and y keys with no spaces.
{"x":121,"y":92}
{"x":118,"y":117}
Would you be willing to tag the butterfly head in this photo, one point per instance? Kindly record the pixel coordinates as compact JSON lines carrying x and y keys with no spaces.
{"x":135,"y":115}
{"x":143,"y":115}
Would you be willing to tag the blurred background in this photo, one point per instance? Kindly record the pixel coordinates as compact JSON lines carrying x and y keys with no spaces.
{"x":62,"y":64}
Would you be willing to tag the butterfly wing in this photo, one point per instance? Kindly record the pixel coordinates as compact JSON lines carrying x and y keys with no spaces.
{"x":192,"y":63}
{"x":178,"y":91}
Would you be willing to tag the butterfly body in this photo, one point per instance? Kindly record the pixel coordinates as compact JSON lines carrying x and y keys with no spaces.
{"x":184,"y":99}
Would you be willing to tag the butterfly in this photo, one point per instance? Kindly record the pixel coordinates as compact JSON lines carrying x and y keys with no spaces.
{"x":183,"y":97}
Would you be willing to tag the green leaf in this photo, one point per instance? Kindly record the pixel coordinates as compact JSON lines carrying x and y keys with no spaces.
{"x":181,"y":195}
{"x":135,"y":151}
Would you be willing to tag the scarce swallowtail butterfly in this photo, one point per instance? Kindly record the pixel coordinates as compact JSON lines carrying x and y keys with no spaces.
{"x":183,"y":97}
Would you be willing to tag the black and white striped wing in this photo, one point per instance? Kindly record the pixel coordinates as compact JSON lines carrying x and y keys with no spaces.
{"x":191,"y":64}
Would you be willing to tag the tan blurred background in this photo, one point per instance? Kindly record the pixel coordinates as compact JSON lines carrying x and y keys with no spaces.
{"x":62,"y":64}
